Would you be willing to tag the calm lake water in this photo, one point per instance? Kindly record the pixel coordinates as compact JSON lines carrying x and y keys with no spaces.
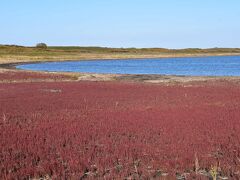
{"x":198,"y":66}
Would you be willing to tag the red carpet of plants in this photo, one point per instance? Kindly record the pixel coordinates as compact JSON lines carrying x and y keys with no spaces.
{"x":77,"y":130}
{"x":10,"y":76}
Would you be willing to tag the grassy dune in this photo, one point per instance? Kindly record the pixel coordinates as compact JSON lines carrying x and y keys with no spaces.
{"x":12,"y":54}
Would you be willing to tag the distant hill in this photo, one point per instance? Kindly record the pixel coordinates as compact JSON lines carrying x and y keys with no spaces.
{"x":14,"y":53}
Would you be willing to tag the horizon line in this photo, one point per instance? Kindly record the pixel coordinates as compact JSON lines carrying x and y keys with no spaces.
{"x":112,"y":47}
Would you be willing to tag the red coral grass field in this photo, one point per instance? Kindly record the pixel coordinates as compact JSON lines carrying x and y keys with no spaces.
{"x":77,"y":130}
{"x":15,"y":76}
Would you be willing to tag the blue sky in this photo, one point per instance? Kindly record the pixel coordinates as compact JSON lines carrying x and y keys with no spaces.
{"x":121,"y":23}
